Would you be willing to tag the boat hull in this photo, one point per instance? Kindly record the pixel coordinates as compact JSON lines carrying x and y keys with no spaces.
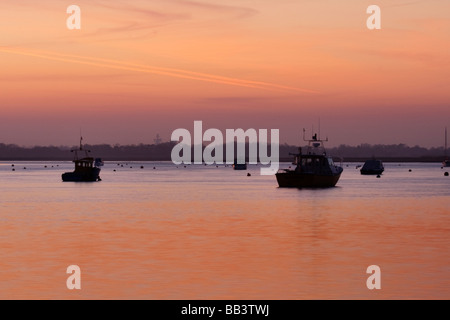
{"x":372,"y":166}
{"x":88,"y":176}
{"x":291,"y":179}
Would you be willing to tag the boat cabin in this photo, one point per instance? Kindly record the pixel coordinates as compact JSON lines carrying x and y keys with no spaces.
{"x":84,"y":164}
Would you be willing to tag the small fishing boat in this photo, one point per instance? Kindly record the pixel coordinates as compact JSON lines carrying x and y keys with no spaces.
{"x":314,"y":169}
{"x":240,"y":165}
{"x":86,"y":168}
{"x":372,"y":167}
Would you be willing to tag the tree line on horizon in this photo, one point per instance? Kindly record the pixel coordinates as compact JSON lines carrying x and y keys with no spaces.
{"x":162,"y":152}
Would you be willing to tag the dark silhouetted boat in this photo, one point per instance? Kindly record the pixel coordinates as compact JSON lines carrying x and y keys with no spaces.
{"x":86,"y":168}
{"x":314,"y":169}
{"x":239,"y":165}
{"x":372,"y":167}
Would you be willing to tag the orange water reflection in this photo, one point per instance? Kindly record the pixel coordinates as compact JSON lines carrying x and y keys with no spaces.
{"x":254,"y":249}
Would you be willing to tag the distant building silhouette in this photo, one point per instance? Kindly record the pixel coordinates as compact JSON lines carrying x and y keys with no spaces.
{"x":158,"y":139}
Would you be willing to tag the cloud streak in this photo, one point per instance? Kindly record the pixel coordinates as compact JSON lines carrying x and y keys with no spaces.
{"x":171,"y":72}
{"x":238,"y":12}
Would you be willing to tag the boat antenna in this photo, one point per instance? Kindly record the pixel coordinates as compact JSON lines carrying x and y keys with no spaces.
{"x":319,"y":128}
{"x":81,"y":140}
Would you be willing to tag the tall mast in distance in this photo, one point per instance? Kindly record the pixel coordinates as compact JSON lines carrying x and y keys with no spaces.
{"x":445,"y":147}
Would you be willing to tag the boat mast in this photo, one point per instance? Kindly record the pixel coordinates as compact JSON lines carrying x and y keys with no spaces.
{"x":445,"y":148}
{"x":80,"y":149}
{"x":319,"y":128}
{"x":314,"y":138}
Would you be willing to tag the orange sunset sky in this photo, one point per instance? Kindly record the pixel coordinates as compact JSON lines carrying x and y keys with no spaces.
{"x":140,"y":67}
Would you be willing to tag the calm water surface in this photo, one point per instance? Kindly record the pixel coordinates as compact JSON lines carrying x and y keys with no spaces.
{"x":214,"y":233}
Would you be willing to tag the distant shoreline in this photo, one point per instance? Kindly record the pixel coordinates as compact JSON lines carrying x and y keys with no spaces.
{"x":336,"y":160}
{"x":395,"y":159}
{"x":163,"y":151}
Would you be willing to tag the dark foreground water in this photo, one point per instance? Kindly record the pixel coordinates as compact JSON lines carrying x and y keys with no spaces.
{"x":214,"y":233}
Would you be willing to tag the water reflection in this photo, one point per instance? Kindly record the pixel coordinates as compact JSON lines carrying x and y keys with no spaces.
{"x":213,"y":233}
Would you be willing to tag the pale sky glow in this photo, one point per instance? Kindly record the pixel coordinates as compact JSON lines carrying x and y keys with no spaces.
{"x":137,"y":68}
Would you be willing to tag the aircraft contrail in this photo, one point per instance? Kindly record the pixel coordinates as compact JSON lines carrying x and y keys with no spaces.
{"x":178,"y":73}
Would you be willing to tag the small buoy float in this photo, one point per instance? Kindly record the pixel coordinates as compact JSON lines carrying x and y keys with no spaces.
{"x":142,"y":167}
{"x":13,"y":169}
{"x":154,"y":168}
{"x":45,"y":166}
{"x":410,"y":170}
{"x":446,"y":174}
{"x":114,"y":170}
{"x":249,"y":175}
{"x":24,"y":168}
{"x":378,"y":176}
{"x":12,"y":165}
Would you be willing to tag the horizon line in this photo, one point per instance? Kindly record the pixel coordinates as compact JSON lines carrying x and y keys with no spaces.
{"x":203,"y":144}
